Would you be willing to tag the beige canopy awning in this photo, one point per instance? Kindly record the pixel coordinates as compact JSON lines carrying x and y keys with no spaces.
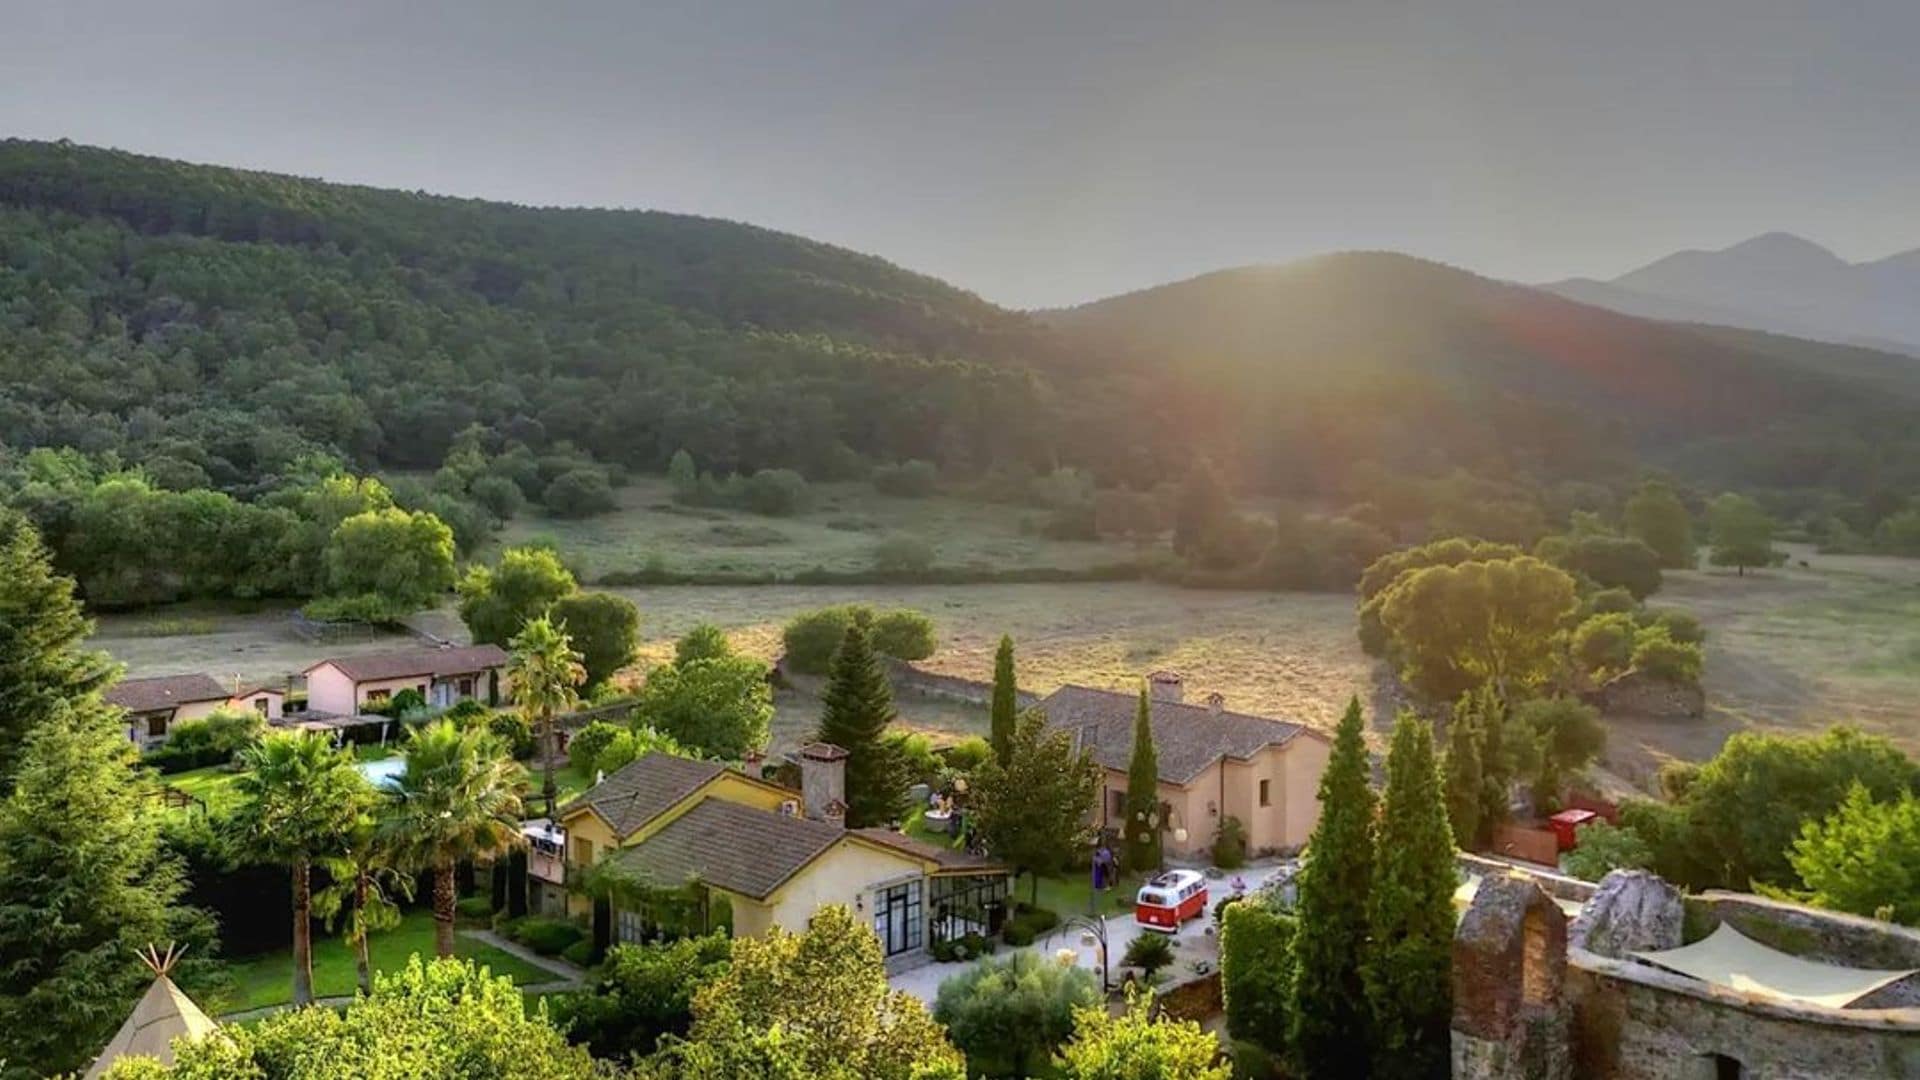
{"x":1731,"y":959}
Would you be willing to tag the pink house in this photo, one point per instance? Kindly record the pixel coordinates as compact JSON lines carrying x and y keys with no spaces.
{"x":345,"y":685}
{"x":155,"y":705}
{"x":1213,"y":764}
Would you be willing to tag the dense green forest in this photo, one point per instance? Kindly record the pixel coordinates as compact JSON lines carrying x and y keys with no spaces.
{"x":188,"y":350}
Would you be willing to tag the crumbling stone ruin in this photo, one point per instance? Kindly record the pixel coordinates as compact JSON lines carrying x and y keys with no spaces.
{"x":1536,"y":997}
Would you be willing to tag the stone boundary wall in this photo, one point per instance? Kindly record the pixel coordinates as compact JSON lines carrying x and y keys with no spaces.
{"x":1558,"y":886}
{"x":1633,"y":1020}
{"x":949,"y":687}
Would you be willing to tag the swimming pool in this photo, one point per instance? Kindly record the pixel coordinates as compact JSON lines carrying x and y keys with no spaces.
{"x":384,"y":773}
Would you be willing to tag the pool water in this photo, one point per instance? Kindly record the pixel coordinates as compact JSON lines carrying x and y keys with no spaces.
{"x":384,"y":773}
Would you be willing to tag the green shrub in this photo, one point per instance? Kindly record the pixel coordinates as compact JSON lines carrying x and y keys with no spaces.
{"x":1256,"y":966}
{"x":970,"y":946}
{"x":914,"y":751}
{"x":903,"y":555}
{"x":466,"y":712}
{"x":904,"y":634}
{"x":1657,"y":654}
{"x":578,"y":493}
{"x":968,"y":754}
{"x":544,"y":934}
{"x":579,"y":954}
{"x":1603,"y":645}
{"x":1027,"y":923}
{"x":474,"y":909}
{"x":1150,"y":952}
{"x":812,"y":636}
{"x":703,"y":642}
{"x":1251,"y":1061}
{"x":910,"y":479}
{"x":1611,"y":601}
{"x":514,"y":731}
{"x":196,"y":744}
{"x":643,"y":992}
{"x":1230,"y":844}
{"x":1683,"y":627}
{"x":1009,"y":1016}
{"x":587,"y":744}
{"x":775,"y":492}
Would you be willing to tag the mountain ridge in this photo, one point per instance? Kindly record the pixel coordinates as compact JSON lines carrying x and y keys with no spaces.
{"x":1777,"y":282}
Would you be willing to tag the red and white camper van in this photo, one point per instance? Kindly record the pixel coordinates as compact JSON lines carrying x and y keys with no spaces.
{"x":1167,"y":901}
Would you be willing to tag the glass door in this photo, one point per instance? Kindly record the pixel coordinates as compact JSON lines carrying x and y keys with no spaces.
{"x":899,"y":918}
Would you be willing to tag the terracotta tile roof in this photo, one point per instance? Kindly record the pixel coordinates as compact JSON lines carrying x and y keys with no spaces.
{"x":645,"y":789}
{"x":439,"y":663}
{"x":729,"y":846}
{"x":164,"y":692}
{"x":947,"y":858}
{"x":1186,"y":738}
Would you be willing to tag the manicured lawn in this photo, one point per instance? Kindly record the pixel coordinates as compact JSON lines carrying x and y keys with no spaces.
{"x":268,"y":979}
{"x":213,"y":785}
{"x":1072,"y":893}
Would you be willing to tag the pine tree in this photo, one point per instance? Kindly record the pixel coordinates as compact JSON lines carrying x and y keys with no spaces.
{"x":1006,"y":700}
{"x":1409,"y":964}
{"x":1330,"y":1015}
{"x":83,"y":884}
{"x":855,"y":712}
{"x":1466,"y":785}
{"x":41,"y":629}
{"x":1143,"y":822}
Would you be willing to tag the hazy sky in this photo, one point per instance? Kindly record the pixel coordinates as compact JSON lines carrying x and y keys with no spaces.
{"x":1045,"y":153}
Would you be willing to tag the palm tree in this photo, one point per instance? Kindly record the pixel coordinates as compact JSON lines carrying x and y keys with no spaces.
{"x":366,"y":877}
{"x":459,"y":797}
{"x":302,"y":798}
{"x":545,"y":670}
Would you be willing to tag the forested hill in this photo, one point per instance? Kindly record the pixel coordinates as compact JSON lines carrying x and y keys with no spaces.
{"x":223,"y":322}
{"x":217,"y":328}
{"x":1725,"y":406}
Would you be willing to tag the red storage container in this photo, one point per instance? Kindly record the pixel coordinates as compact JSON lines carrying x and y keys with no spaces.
{"x":1566,"y":822}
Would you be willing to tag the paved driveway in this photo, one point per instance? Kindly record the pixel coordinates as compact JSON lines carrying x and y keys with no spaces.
{"x":1194,"y":940}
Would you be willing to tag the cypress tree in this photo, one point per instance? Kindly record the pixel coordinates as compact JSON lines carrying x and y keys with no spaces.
{"x":84,"y":882}
{"x":1465,"y":785}
{"x":1006,"y":701}
{"x":1409,"y":966}
{"x":42,"y":665}
{"x":1329,"y":1007}
{"x":1143,"y":822}
{"x":855,"y":712}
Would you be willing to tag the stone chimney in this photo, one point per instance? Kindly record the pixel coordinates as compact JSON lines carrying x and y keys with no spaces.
{"x":823,"y":782}
{"x":1216,"y":703}
{"x":1165,"y":686}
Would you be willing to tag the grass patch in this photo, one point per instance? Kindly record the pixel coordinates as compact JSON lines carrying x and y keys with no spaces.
{"x":836,"y":536}
{"x":268,"y":979}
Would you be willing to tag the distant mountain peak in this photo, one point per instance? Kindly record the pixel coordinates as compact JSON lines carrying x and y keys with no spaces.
{"x":1783,"y":245}
{"x":1776,"y":282}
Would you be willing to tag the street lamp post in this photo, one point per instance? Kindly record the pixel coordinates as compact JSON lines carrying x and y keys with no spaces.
{"x":1093,"y":931}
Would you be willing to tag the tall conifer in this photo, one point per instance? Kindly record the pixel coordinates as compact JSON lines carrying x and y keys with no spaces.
{"x":1330,"y":1014}
{"x":1410,"y":923}
{"x":1006,"y":701}
{"x":42,"y":665}
{"x":1143,"y":822}
{"x":1465,"y":783}
{"x":855,"y":712}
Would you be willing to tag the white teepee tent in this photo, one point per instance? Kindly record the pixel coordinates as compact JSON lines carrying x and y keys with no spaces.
{"x":162,"y":1015}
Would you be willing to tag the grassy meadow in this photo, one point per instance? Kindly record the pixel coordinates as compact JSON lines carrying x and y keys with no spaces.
{"x":1821,"y":640}
{"x":837,"y":533}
